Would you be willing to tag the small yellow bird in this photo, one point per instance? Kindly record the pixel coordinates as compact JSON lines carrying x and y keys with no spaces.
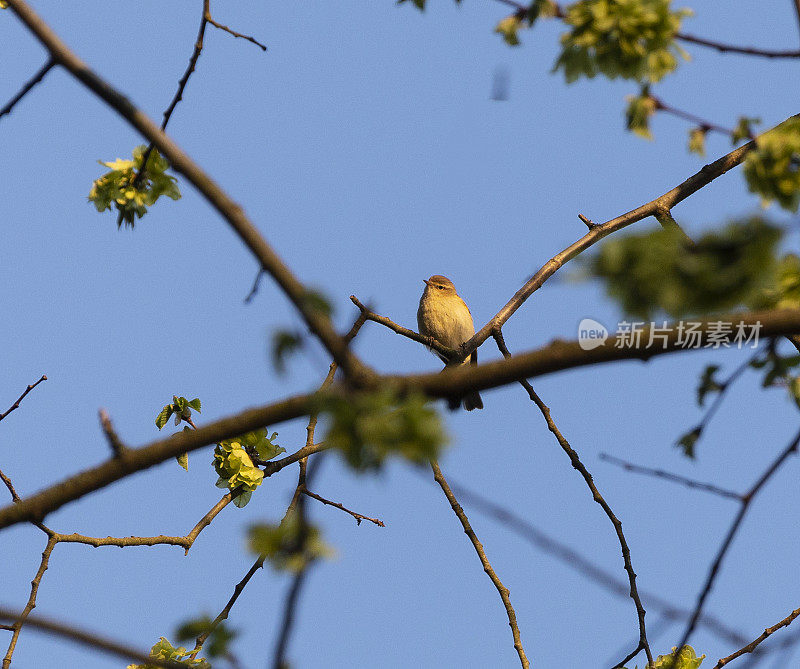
{"x":443,"y":315}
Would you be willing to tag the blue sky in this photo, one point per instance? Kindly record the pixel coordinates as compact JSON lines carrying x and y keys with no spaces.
{"x":365,"y":146}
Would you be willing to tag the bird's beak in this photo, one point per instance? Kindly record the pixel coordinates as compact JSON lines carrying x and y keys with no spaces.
{"x":426,"y":282}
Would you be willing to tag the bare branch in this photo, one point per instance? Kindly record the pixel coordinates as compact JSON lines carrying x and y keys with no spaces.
{"x":355,"y":515}
{"x":35,"y":79}
{"x":16,"y":404}
{"x":31,"y":604}
{"x":597,"y":497}
{"x":745,"y":504}
{"x":660,"y":473}
{"x":430,"y":342}
{"x":93,"y":641}
{"x":487,"y":567}
{"x":744,"y":50}
{"x":235,"y":34}
{"x":114,"y":442}
{"x":749,"y":648}
{"x":665,"y":202}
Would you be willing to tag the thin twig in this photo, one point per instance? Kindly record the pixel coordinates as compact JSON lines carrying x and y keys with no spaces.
{"x":750,"y":647}
{"x":15,"y":406}
{"x":235,"y":34}
{"x":669,"y":476}
{"x":289,"y":607}
{"x":114,"y":442}
{"x":744,"y":50}
{"x":587,"y":477}
{"x":31,"y":604}
{"x":359,"y":517}
{"x":487,"y":567}
{"x":93,"y":641}
{"x":430,"y":342}
{"x":745,"y":504}
{"x":692,"y":118}
{"x":35,"y":79}
{"x":254,"y":289}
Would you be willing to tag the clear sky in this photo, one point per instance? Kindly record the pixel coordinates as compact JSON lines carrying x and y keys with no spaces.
{"x":366,"y":147}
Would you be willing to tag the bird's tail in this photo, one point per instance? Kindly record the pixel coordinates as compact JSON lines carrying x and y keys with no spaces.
{"x":472,"y":400}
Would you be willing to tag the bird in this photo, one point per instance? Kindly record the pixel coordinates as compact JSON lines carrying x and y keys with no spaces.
{"x":443,"y":315}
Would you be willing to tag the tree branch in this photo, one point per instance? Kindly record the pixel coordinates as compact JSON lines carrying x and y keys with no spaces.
{"x":35,"y":79}
{"x":16,"y":404}
{"x":487,"y":567}
{"x":597,"y":497}
{"x":747,"y":498}
{"x":556,"y":357}
{"x":355,"y":515}
{"x":668,"y":476}
{"x":749,"y":648}
{"x":744,"y":50}
{"x":31,"y":604}
{"x":663,"y":203}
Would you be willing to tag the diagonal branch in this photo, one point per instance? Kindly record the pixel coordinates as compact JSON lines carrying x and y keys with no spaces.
{"x":669,"y":476}
{"x":553,"y":358}
{"x":747,"y":498}
{"x":597,"y":497}
{"x":750,"y":647}
{"x":16,"y":404}
{"x":35,"y":79}
{"x":487,"y":567}
{"x":31,"y":604}
{"x":743,"y":50}
{"x":359,"y":517}
{"x":663,"y":203}
{"x":300,"y":296}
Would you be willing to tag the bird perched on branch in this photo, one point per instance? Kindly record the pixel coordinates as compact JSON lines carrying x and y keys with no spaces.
{"x":443,"y":315}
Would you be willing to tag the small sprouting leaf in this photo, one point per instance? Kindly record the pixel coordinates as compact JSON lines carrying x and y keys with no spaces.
{"x":744,"y":129}
{"x":708,"y":384}
{"x":316,"y":301}
{"x":687,"y":441}
{"x":637,"y":115}
{"x":284,"y":343}
{"x":508,"y":28}
{"x":686,"y":659}
{"x":130,"y":189}
{"x":697,"y":141}
{"x":183,"y":460}
{"x":195,"y":404}
{"x":166,"y":652}
{"x":241,"y":500}
{"x":163,"y":416}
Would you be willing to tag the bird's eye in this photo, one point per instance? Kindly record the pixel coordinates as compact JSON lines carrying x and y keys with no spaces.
{"x":440,"y":287}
